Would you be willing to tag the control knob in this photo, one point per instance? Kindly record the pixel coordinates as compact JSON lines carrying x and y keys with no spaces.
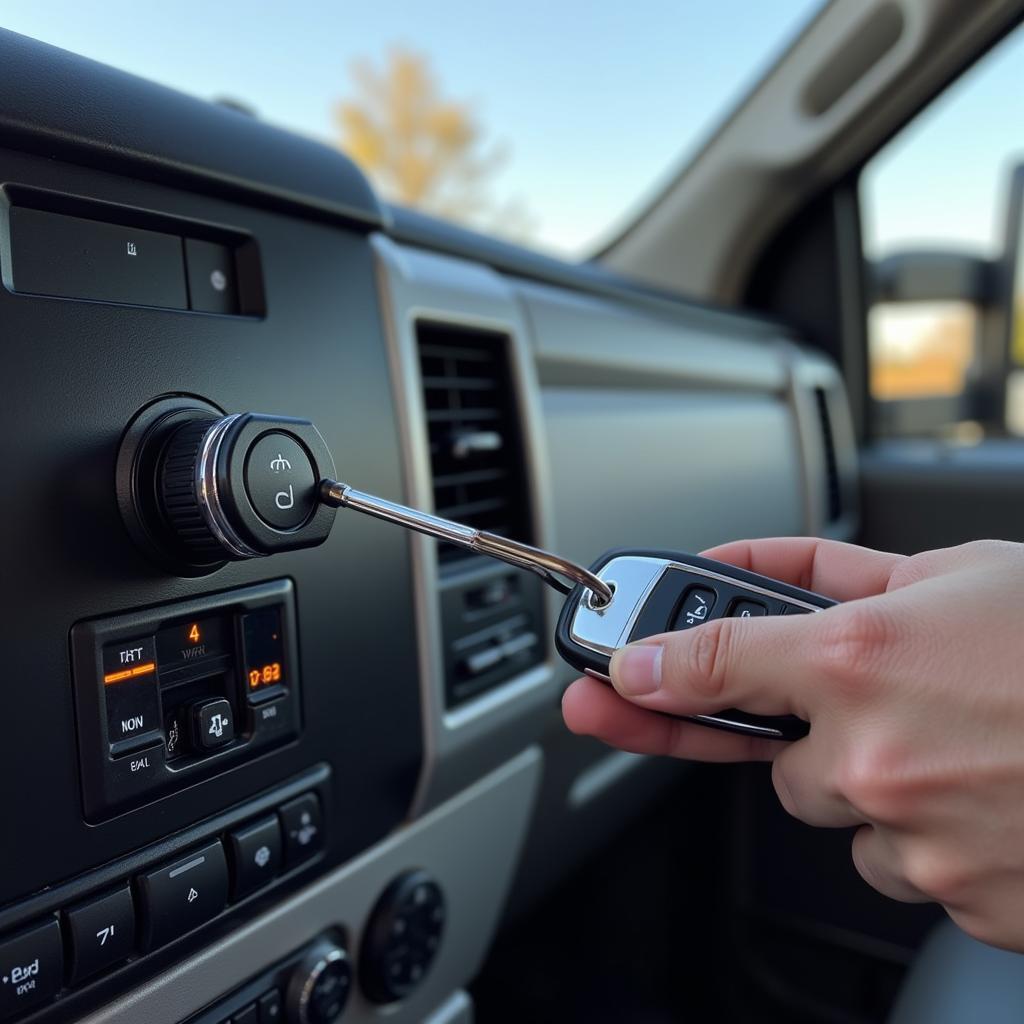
{"x":205,"y":488}
{"x":319,"y":986}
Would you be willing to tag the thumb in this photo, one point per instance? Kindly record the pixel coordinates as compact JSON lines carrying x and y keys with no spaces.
{"x":760,"y":665}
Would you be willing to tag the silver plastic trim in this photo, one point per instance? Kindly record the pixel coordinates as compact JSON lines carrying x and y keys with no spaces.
{"x":414,"y":285}
{"x":208,"y":495}
{"x":806,"y":372}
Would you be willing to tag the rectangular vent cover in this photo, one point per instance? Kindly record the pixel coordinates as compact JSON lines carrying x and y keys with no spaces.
{"x":475,"y":438}
{"x":833,"y":496}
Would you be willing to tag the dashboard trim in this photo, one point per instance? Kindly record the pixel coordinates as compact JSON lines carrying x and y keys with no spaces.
{"x":465,"y":295}
{"x":491,"y":818}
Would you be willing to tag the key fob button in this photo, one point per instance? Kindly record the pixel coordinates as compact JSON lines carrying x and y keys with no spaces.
{"x":747,"y":609}
{"x":795,"y":609}
{"x":695,"y":608}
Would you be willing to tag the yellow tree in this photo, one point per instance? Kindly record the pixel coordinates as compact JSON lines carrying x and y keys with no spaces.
{"x":419,"y":147}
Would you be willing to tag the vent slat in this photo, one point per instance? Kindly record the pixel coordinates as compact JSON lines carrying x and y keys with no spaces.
{"x":429,"y":350}
{"x":468,"y":389}
{"x":470,"y":476}
{"x":458,"y":415}
{"x":459,"y":383}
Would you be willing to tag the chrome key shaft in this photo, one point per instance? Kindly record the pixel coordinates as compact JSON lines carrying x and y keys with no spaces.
{"x":545,"y":564}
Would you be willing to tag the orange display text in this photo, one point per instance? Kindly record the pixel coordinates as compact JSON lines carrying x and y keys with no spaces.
{"x":265,"y":675}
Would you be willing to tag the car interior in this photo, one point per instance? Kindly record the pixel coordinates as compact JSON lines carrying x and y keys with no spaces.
{"x":284,"y":762}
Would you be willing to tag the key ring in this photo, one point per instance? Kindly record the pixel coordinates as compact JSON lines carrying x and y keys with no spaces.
{"x":548,"y":566}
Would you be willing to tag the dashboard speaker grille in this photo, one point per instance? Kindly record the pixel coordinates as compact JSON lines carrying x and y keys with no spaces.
{"x":473,"y":429}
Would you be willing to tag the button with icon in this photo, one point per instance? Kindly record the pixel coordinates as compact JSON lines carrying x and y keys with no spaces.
{"x":748,"y":610}
{"x":255,"y":856}
{"x":214,"y":723}
{"x":184,"y":894}
{"x":302,"y":825}
{"x":101,"y":932}
{"x":280,"y":481}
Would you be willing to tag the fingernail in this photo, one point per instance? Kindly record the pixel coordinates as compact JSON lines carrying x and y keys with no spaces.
{"x":636,"y":670}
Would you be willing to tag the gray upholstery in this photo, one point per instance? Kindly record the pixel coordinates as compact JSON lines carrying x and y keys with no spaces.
{"x":958,"y":980}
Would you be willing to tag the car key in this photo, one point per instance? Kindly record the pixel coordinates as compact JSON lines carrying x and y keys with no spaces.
{"x":663,"y":591}
{"x":624,"y":596}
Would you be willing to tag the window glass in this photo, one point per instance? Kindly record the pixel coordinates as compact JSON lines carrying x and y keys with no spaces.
{"x":942,"y":185}
{"x":546,"y":123}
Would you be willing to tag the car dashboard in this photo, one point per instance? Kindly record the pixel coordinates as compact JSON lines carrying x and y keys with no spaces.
{"x":389,"y":777}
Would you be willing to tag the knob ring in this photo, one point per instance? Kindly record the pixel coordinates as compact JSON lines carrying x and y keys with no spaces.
{"x":304,"y":993}
{"x":208,"y":493}
{"x":137,"y":485}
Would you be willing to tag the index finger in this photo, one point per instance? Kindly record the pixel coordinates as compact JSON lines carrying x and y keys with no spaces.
{"x":841,"y":571}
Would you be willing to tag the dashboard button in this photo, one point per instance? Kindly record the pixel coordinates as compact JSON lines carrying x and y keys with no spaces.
{"x":102,"y":933}
{"x":695,"y":609}
{"x":271,"y":1007}
{"x":247,"y":1015}
{"x":212,"y":285}
{"x":402,"y":937}
{"x":31,"y":964}
{"x":131,"y":694}
{"x":184,"y":894}
{"x":214,"y":724}
{"x":130,"y":777}
{"x":255,"y":856}
{"x":52,"y":254}
{"x":302,"y":826}
{"x":280,"y":481}
{"x":273,"y":719}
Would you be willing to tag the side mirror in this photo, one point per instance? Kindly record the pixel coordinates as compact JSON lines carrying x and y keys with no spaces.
{"x":930,"y":276}
{"x":945,"y":338}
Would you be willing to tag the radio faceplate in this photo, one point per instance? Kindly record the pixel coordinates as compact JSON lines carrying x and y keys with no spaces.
{"x":173,"y":695}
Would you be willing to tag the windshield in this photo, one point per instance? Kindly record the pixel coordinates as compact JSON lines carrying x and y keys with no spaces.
{"x":545,"y":123}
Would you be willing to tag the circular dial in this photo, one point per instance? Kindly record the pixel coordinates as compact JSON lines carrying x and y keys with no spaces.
{"x":206,"y":489}
{"x":402,"y":937}
{"x":320,"y":986}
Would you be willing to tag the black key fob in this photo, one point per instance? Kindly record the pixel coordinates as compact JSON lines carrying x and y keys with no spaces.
{"x":662,"y":591}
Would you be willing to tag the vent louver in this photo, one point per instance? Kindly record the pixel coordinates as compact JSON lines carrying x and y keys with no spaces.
{"x":833,"y":495}
{"x":476,"y":448}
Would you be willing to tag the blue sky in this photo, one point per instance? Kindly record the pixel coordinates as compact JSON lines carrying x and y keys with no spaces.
{"x":595,"y":102}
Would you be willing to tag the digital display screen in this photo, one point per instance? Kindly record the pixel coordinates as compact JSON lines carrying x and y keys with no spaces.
{"x":264,"y":649}
{"x":192,"y":640}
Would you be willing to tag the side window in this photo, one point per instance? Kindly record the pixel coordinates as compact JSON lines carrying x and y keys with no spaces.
{"x":942,"y":223}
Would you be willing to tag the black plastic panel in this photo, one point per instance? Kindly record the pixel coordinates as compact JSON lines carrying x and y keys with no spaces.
{"x":188,"y":654}
{"x":76,"y":373}
{"x":59,"y":104}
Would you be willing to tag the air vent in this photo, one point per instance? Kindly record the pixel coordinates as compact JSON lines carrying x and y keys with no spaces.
{"x":833,"y":496}
{"x":476,"y":446}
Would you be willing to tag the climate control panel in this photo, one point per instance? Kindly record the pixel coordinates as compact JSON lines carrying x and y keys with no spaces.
{"x":173,"y":695}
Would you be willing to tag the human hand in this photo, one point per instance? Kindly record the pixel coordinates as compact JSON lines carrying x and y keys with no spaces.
{"x":914,"y":688}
